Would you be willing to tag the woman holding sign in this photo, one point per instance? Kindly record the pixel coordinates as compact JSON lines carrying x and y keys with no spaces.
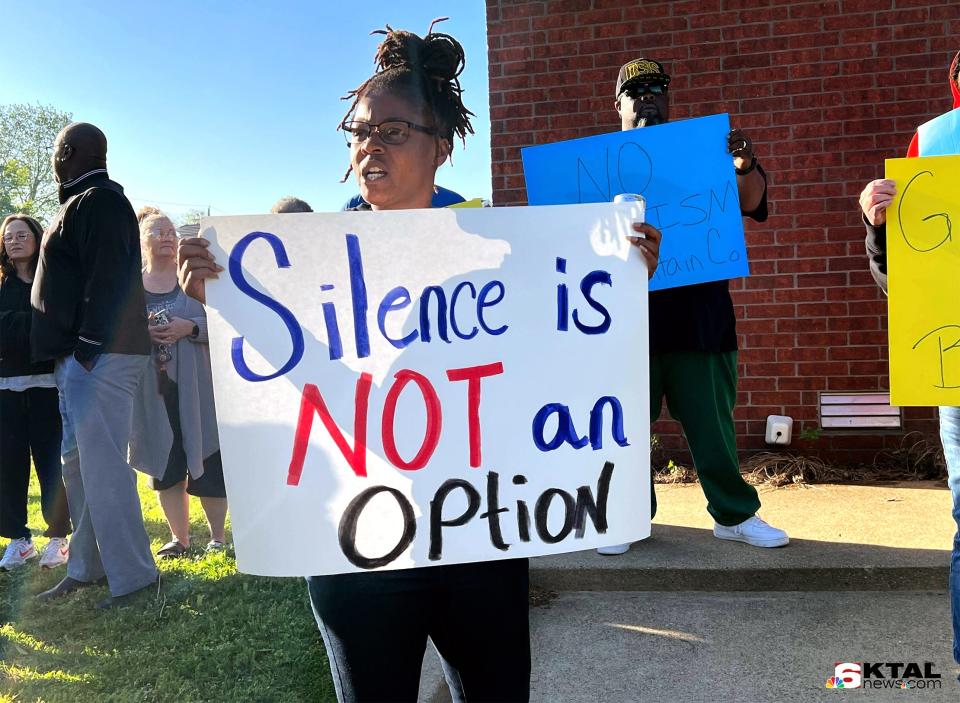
{"x":401,"y":128}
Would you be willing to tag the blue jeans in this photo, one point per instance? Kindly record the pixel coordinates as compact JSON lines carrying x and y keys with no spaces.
{"x":950,"y":436}
{"x":109,"y":538}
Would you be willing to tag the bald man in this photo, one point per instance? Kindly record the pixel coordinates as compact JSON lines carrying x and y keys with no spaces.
{"x":290,"y":204}
{"x":89,"y":317}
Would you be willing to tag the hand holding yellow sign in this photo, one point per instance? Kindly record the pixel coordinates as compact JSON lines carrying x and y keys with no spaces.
{"x":923,"y":266}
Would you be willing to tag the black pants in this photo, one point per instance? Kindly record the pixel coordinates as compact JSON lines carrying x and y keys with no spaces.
{"x":375,"y":626}
{"x":30,"y":424}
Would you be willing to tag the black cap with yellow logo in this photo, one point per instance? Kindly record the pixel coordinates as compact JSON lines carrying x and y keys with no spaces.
{"x":645,"y":71}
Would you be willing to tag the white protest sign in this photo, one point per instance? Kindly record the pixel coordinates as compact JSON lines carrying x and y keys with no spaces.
{"x":425,"y":387}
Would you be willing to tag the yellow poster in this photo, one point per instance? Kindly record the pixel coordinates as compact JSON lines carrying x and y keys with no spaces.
{"x":923,"y":266}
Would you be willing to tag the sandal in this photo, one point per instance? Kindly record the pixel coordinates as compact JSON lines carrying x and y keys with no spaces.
{"x":171,"y":550}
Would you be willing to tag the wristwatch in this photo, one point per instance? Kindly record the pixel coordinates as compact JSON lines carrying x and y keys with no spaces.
{"x":196,"y":331}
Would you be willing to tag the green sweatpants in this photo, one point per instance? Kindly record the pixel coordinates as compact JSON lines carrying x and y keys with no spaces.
{"x":701,"y":391}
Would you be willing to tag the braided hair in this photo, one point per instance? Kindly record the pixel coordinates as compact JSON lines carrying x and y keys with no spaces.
{"x":425,"y":70}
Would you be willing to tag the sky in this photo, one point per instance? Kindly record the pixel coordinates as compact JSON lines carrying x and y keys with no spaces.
{"x":229,"y":105}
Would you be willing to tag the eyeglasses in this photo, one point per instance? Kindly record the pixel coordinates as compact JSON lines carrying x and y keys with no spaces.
{"x":18,"y":237}
{"x":392,"y":132}
{"x":637,"y":91}
{"x":167,"y":233}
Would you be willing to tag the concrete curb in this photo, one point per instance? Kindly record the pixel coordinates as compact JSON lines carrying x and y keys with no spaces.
{"x":889,"y":537}
{"x":771,"y":580}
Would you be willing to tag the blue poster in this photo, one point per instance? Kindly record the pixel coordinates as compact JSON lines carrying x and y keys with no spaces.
{"x":683,"y":171}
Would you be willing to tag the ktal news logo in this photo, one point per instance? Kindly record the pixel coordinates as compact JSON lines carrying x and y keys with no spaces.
{"x":897,"y":675}
{"x":845,"y":675}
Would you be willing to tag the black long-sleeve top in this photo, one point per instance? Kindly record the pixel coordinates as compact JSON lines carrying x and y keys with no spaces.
{"x":88,"y":292}
{"x":877,"y":251}
{"x":15,"y":316}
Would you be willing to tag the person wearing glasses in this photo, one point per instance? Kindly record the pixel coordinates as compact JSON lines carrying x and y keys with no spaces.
{"x":693,"y":338}
{"x":29,"y":409}
{"x":89,"y":319}
{"x":174,"y":430}
{"x":400,"y":129}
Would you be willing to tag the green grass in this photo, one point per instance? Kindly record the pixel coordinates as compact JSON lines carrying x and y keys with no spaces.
{"x":210,"y":634}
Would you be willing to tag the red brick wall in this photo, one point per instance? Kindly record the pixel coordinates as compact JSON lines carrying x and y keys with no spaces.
{"x":827,"y":89}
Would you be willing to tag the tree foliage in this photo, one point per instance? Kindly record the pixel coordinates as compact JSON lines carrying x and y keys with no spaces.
{"x":26,"y":174}
{"x":192,"y":217}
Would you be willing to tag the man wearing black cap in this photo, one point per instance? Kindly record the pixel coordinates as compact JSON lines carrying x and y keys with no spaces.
{"x":693,"y":340}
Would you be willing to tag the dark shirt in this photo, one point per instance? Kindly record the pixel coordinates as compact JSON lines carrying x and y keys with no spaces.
{"x":15,"y":331}
{"x":877,"y":251}
{"x":698,"y":317}
{"x":160,"y":301}
{"x":88,"y":292}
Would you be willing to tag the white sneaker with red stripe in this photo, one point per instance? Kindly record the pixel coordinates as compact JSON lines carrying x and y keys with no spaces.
{"x":55,"y":553}
{"x":17,"y":553}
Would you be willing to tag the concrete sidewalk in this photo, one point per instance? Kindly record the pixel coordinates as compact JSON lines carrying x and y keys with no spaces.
{"x":699,"y":647}
{"x":882,"y":537}
{"x":696,"y":647}
{"x":684,"y":616}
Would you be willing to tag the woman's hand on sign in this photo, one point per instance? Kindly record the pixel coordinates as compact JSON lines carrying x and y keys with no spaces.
{"x":195,"y":264}
{"x":876,"y":198}
{"x":648,"y":243}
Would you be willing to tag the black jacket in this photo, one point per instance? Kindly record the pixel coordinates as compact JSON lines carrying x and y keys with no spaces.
{"x":88,"y":292}
{"x":15,"y":331}
{"x":877,"y":251}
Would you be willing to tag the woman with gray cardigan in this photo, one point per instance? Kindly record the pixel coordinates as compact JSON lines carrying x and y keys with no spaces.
{"x":174,"y":437}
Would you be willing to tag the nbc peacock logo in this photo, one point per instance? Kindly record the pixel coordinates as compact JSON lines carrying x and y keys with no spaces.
{"x":897,"y":675}
{"x":845,"y":675}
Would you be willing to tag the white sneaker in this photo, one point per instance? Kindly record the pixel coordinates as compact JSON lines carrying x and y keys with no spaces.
{"x":753,"y":531}
{"x":55,"y":553}
{"x":614,"y":549}
{"x":18,"y":551}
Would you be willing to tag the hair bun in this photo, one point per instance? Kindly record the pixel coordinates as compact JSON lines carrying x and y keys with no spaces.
{"x":443,"y":56}
{"x":438,"y":55}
